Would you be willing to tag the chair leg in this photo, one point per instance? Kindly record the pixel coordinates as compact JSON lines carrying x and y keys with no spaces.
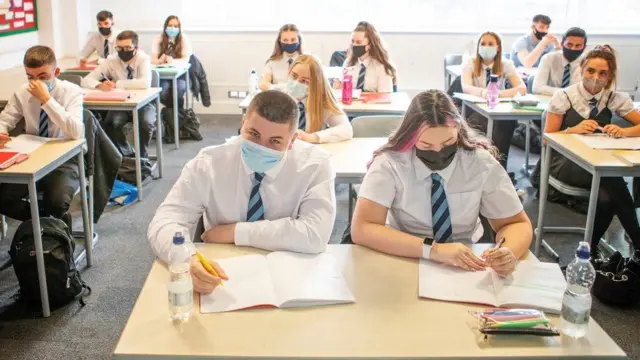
{"x":3,"y":227}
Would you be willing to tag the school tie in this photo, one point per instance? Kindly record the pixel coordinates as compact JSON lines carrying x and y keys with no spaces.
{"x":106,"y":48}
{"x":593,"y":105}
{"x":290,"y":61}
{"x":43,"y":128}
{"x":256,"y":210}
{"x":363,"y":72}
{"x":129,"y":72}
{"x":566,"y":76}
{"x":302,"y":120}
{"x":440,"y":210}
{"x":488,"y":70}
{"x":171,"y":48}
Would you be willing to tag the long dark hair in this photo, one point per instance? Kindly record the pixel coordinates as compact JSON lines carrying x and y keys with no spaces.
{"x":376,"y":49}
{"x":277,"y":48}
{"x":164,"y":44}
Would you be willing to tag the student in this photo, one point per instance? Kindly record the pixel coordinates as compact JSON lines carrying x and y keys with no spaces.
{"x":436,"y":167}
{"x":581,"y":109}
{"x":262,"y":189}
{"x":50,"y":108}
{"x":172,"y":47}
{"x":102,"y":43}
{"x":528,"y":49}
{"x":318,"y":108}
{"x":487,"y":61}
{"x":131,"y":69}
{"x":560,"y":69}
{"x":287,"y":48}
{"x":368,"y":61}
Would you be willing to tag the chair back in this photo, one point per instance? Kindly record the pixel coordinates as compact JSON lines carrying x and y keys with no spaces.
{"x":155,"y":78}
{"x":72,"y":78}
{"x":337,"y":58}
{"x":375,"y":126}
{"x":452,"y":59}
{"x":530,"y":81}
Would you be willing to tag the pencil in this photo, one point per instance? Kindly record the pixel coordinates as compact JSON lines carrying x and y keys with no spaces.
{"x":207,"y":266}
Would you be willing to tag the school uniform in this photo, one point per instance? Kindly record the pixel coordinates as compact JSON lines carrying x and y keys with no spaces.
{"x":369,"y":75}
{"x":297,"y":198}
{"x":96,"y":43}
{"x":279,"y":68}
{"x":474,"y":183}
{"x":528,"y":42}
{"x":136,"y":75}
{"x":61,"y":118}
{"x":182,"y":59}
{"x":555,"y":73}
{"x":336,"y":126}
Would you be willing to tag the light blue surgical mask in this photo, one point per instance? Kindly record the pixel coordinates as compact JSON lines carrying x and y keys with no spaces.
{"x":297,"y":89}
{"x":487,"y":52}
{"x":48,"y":83}
{"x":259,"y":158}
{"x":172,"y":31}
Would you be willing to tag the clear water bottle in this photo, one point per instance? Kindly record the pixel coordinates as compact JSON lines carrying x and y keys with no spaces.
{"x":253,"y":82}
{"x":576,"y":303}
{"x":493,"y":91}
{"x":180,"y":282}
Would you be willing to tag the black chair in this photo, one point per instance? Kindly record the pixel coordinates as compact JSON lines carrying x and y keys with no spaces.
{"x":337,"y":58}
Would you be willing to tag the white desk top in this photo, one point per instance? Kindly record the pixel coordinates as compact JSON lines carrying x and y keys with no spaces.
{"x":137,"y":97}
{"x":350,"y":158}
{"x":43,"y":157}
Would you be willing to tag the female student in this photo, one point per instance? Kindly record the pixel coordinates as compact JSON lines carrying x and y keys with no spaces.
{"x":582,"y":109}
{"x":368,"y":61}
{"x":318,"y":107}
{"x":172,"y":47}
{"x":426,"y":187}
{"x":287,"y":48}
{"x":475,"y":78}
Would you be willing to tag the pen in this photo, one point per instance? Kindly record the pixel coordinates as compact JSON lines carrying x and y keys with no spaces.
{"x":207,"y":266}
{"x":519,"y":324}
{"x":499,"y":244}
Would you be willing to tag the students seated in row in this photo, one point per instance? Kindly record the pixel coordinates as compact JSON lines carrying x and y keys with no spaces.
{"x":101,"y":43}
{"x":488,"y":61}
{"x":287,"y":48}
{"x":530,"y":48}
{"x":560,"y":69}
{"x":581,"y":109}
{"x":426,"y":187}
{"x":50,"y":108}
{"x":262,"y":189}
{"x":172,"y":47}
{"x":316,"y":103}
{"x":130,"y":70}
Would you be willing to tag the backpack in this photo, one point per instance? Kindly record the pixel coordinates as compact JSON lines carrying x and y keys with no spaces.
{"x":188,"y":123}
{"x":64,"y":283}
{"x":127,"y":170}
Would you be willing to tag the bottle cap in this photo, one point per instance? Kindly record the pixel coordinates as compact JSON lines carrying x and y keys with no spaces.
{"x":494,"y":78}
{"x":178,"y":239}
{"x":584,"y":251}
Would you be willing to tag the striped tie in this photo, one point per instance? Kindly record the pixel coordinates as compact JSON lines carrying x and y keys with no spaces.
{"x":440,"y":210}
{"x":302,"y":120}
{"x":106,"y":48}
{"x":363,"y":72}
{"x":43,"y":129}
{"x":256,"y":210}
{"x":488,"y":76}
{"x":593,"y":105}
{"x":566,"y":76}
{"x":129,"y":72}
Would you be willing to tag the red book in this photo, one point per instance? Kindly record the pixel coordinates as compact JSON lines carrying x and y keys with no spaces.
{"x":9,"y":158}
{"x":376,"y":98}
{"x":107,"y":96}
{"x":86,"y":67}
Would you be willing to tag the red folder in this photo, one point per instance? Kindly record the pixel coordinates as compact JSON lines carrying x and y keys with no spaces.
{"x":86,"y":67}
{"x":376,"y":98}
{"x":107,"y":96}
{"x":9,"y":158}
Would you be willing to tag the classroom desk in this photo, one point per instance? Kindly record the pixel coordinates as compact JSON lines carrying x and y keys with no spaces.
{"x":173,"y":73}
{"x":388,"y":321}
{"x":139,"y":99}
{"x":453,"y":71}
{"x":599,"y":163}
{"x":41,"y":162}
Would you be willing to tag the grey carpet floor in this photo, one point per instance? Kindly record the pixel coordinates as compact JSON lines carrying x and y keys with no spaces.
{"x":123,"y":259}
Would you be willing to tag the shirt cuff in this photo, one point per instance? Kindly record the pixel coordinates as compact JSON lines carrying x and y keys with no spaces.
{"x":241,"y":234}
{"x":426,"y":251}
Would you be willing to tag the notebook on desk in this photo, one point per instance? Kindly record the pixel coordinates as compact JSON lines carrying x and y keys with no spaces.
{"x":376,"y":98}
{"x":629,"y":156}
{"x":603,"y":141}
{"x":107,"y":96}
{"x":8,"y":158}
{"x":279,"y":279}
{"x":18,"y":149}
{"x":85,"y":67}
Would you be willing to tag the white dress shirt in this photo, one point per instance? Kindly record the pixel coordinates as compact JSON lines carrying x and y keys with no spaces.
{"x":116,"y":69}
{"x":475,"y":183}
{"x":338,"y":128}
{"x":376,"y":78}
{"x":95,"y":43}
{"x":64,"y":110}
{"x":548,"y":80}
{"x":183,"y":59}
{"x":578,"y":97}
{"x":479,"y":83}
{"x":279,"y":68}
{"x":298,"y":197}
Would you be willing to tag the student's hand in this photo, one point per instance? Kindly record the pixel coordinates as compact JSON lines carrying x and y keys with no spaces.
{"x":39,"y":90}
{"x":203,"y":281}
{"x":613,"y":130}
{"x":457,"y":254}
{"x":310,"y":138}
{"x":4,"y":139}
{"x":83,"y":62}
{"x":162,"y":59}
{"x":501,"y":260}
{"x":337,"y":84}
{"x":106,"y":85}
{"x":168,"y":59}
{"x":92,"y":62}
{"x":549,"y":39}
{"x":220,"y":234}
{"x":585,"y":127}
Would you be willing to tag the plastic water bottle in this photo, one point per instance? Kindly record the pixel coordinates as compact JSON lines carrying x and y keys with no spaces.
{"x":180,"y":282}
{"x":253,"y":82}
{"x":347,"y":90}
{"x":493,"y":91}
{"x":576,"y":303}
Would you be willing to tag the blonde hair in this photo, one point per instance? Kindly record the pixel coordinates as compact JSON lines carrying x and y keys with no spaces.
{"x":497,"y":62}
{"x":320,"y":98}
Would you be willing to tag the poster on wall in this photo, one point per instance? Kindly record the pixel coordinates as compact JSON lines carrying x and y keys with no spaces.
{"x":17,"y":16}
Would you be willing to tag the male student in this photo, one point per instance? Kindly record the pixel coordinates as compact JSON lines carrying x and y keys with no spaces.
{"x":261,"y":189}
{"x":527,"y":50}
{"x":560,"y":69}
{"x":50,"y":108}
{"x":102,"y":43}
{"x":131,"y":69}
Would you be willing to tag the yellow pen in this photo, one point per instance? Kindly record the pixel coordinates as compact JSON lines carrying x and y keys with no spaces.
{"x":207,"y":266}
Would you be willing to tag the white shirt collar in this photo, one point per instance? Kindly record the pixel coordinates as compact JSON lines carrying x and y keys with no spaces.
{"x":365,"y":61}
{"x":422,"y":171}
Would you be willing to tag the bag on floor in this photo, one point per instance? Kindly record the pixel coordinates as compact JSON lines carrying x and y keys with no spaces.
{"x":188,"y":123}
{"x":519,"y":138}
{"x":617,"y":281}
{"x":127,"y":170}
{"x":64,"y":283}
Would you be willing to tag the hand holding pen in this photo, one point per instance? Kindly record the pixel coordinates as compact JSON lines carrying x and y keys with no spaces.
{"x":500,"y":259}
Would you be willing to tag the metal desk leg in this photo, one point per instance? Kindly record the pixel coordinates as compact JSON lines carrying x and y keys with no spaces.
{"x":176,"y":123}
{"x":593,"y":201}
{"x":136,"y":148}
{"x":37,"y":240}
{"x":158,"y":137}
{"x":350,"y":201}
{"x":88,"y":235}
{"x":464,"y":111}
{"x":489,"y":128}
{"x":186,"y":94}
{"x":527,"y":148}
{"x":545,"y":155}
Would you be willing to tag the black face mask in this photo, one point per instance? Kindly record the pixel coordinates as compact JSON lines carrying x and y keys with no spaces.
{"x":126,"y":55}
{"x":438,"y":160}
{"x":358,"y":50}
{"x":539,"y":34}
{"x":571,"y":54}
{"x":104,"y":31}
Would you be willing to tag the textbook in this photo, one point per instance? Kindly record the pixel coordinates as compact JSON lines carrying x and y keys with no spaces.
{"x":532,"y":285}
{"x":85,"y":67}
{"x":280,"y":280}
{"x":99,"y":95}
{"x":8,"y":158}
{"x":376,"y":98}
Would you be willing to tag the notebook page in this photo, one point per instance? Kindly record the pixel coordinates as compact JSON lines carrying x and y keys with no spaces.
{"x":603,"y":141}
{"x":307,"y":280}
{"x":249,"y":285}
{"x":24,"y":144}
{"x":533,"y":284}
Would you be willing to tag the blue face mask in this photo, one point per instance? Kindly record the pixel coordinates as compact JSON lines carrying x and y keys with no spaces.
{"x":48,"y":83}
{"x":259,"y":158}
{"x":297,"y":90}
{"x":487,"y":52}
{"x":172,"y":31}
{"x":290,"y":48}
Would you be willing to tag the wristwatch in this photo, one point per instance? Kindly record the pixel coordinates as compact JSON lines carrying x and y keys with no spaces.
{"x":427,"y":245}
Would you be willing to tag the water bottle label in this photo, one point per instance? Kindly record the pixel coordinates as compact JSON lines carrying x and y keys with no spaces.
{"x":181,"y":299}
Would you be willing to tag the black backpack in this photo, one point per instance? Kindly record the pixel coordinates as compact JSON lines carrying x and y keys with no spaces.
{"x":188,"y":124}
{"x":63,"y":278}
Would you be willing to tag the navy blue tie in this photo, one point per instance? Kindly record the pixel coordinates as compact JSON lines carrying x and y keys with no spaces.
{"x":363,"y":72}
{"x":440,"y":215}
{"x":256,"y":209}
{"x":43,"y":128}
{"x":593,"y":105}
{"x":129,"y":72}
{"x":106,"y":48}
{"x":302,"y":120}
{"x":290,"y":61}
{"x":566,"y":76}
{"x":488,"y":76}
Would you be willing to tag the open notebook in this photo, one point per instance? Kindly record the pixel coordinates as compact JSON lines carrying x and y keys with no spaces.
{"x":18,"y":149}
{"x":532,"y":285}
{"x":279,"y":279}
{"x":603,"y":141}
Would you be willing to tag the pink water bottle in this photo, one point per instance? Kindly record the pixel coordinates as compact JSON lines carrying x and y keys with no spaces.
{"x":493,"y":91}
{"x":347,"y":90}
